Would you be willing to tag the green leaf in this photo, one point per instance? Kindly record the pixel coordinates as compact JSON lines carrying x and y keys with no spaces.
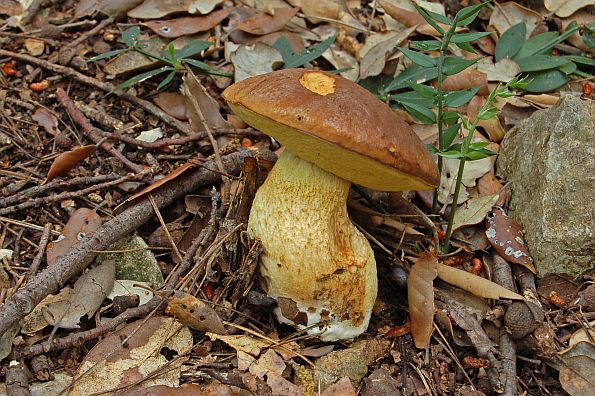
{"x":589,"y":35}
{"x":130,"y":35}
{"x":166,"y":80}
{"x":449,"y":135}
{"x":488,"y":113}
{"x":546,"y":81}
{"x":413,"y":97}
{"x":418,"y":58}
{"x":307,"y":55}
{"x":511,"y":41}
{"x":459,"y":98}
{"x":424,"y":90}
{"x":468,"y":14}
{"x":430,"y":17}
{"x":479,"y":154}
{"x":536,"y":44}
{"x":466,"y":47}
{"x":450,"y":117}
{"x":420,"y":113}
{"x":198,"y":64}
{"x":451,"y":154}
{"x":192,"y":48}
{"x":431,"y":148}
{"x":284,"y":47}
{"x":142,"y":77}
{"x":468,"y":37}
{"x":454,"y":64}
{"x":541,"y":62}
{"x":478,"y":145}
{"x":427,"y":45}
{"x":108,"y":54}
{"x":568,"y":68}
{"x":414,"y":73}
{"x":583,"y":60}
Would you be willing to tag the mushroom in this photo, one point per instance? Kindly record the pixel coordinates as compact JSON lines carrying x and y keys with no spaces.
{"x":315,"y":262}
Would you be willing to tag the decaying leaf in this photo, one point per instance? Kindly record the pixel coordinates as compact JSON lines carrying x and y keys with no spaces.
{"x":68,"y":160}
{"x":420,"y":293}
{"x":488,"y":184}
{"x":196,"y":95}
{"x":503,"y":70}
{"x":506,"y":236}
{"x":254,"y":346}
{"x":262,"y":23}
{"x":509,"y":14}
{"x":150,"y":135}
{"x":577,"y":369}
{"x":194,"y":313}
{"x":47,"y":120}
{"x":468,"y":78}
{"x":111,"y":365}
{"x":565,"y":8}
{"x":115,"y":8}
{"x":35,"y":320}
{"x":173,"y":104}
{"x":473,"y":211}
{"x":133,"y":61}
{"x":155,"y":9}
{"x":374,"y":53}
{"x":89,"y":291}
{"x":473,"y":170}
{"x":203,"y":6}
{"x":188,"y":25}
{"x":6,"y":340}
{"x":253,"y":60}
{"x":81,"y":223}
{"x":126,"y":287}
{"x":475,"y":284}
{"x":319,"y":8}
{"x":342,"y":59}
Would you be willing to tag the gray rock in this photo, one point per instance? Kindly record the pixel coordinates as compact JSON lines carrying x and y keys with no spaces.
{"x":550,"y":160}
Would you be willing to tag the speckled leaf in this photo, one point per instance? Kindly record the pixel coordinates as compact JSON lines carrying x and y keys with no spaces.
{"x":506,"y":237}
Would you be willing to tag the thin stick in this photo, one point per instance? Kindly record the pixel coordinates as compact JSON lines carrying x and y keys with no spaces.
{"x":43,"y":242}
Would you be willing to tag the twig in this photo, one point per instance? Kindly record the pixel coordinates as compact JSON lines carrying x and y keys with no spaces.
{"x":45,"y":237}
{"x":164,"y":226}
{"x":68,"y":194}
{"x":80,"y":255}
{"x":107,"y":87}
{"x":91,"y":131}
{"x":90,"y":32}
{"x":17,"y":383}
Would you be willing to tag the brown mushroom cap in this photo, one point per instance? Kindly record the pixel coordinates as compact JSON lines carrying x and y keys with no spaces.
{"x":337,"y":125}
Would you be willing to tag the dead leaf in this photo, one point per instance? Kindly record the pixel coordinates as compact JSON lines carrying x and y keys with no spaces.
{"x":47,"y":120}
{"x":253,"y":60}
{"x":410,"y":18}
{"x":6,"y":340}
{"x":203,"y":6}
{"x":509,"y":14}
{"x":172,"y":28}
{"x":320,"y":8}
{"x":89,"y":291}
{"x":254,"y":346}
{"x":581,"y":17}
{"x":475,"y":284}
{"x":342,"y":59}
{"x":34,"y":47}
{"x":466,"y":79}
{"x":263,"y":23}
{"x":296,"y":42}
{"x":82,"y":222}
{"x":173,"y":104}
{"x":111,"y":365}
{"x":420,"y":293}
{"x":503,"y":70}
{"x":154,"y":9}
{"x":127,"y":287}
{"x":488,"y":184}
{"x":473,"y":211}
{"x":66,"y":161}
{"x":374,"y":53}
{"x":577,"y":369}
{"x":343,"y":387}
{"x":194,"y":313}
{"x":473,"y":170}
{"x":193,"y":90}
{"x":543,"y":100}
{"x":114,"y":8}
{"x":565,"y":8}
{"x":506,"y":237}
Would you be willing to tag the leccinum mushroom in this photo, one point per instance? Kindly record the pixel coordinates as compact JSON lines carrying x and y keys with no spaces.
{"x":315,"y":263}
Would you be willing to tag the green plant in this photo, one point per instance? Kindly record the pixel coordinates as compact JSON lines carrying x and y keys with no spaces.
{"x":175,"y":60}
{"x":543,"y":71}
{"x":422,"y":99}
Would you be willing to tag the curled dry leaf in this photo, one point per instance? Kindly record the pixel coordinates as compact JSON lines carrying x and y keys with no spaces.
{"x":475,"y":284}
{"x":173,"y":104}
{"x":68,"y":160}
{"x":154,"y":9}
{"x":378,"y":47}
{"x":506,"y":237}
{"x":319,"y":8}
{"x":82,"y":222}
{"x":194,"y":313}
{"x":466,"y":79}
{"x":342,"y":59}
{"x":196,"y":95}
{"x":47,"y":120}
{"x":203,"y":6}
{"x":509,"y":14}
{"x":114,"y":8}
{"x":253,"y":60}
{"x":420,"y":292}
{"x":172,"y":28}
{"x":89,"y":292}
{"x":410,"y":18}
{"x":565,"y":8}
{"x":262,"y":23}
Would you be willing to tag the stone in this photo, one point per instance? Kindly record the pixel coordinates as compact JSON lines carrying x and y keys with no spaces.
{"x":550,"y":161}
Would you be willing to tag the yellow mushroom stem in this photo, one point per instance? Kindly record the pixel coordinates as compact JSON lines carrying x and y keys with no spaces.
{"x":315,"y":263}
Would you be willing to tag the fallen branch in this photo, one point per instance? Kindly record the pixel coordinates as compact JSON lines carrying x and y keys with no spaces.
{"x":82,"y":254}
{"x":107,"y":87}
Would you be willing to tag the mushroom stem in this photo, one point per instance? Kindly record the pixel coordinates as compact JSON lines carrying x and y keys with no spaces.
{"x":315,"y":262}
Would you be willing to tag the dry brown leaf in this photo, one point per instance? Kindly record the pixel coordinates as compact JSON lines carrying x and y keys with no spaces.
{"x":506,"y":237}
{"x":410,"y":18}
{"x":172,"y":28}
{"x":506,"y":15}
{"x":154,"y":9}
{"x":133,"y":61}
{"x":378,"y":47}
{"x":115,"y":8}
{"x":82,"y":222}
{"x":263,"y":23}
{"x":581,"y":17}
{"x":296,"y":42}
{"x":565,"y":8}
{"x":503,"y":70}
{"x":488,"y":184}
{"x":543,"y":100}
{"x":203,"y":6}
{"x":193,"y":90}
{"x":487,"y":45}
{"x":420,"y":292}
{"x":194,"y":313}
{"x":466,"y":79}
{"x":320,"y":8}
{"x":342,"y":59}
{"x":173,"y":104}
{"x":475,"y":284}
{"x":68,"y":160}
{"x":473,"y":211}
{"x":343,"y":387}
{"x":254,"y":346}
{"x":47,"y":120}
